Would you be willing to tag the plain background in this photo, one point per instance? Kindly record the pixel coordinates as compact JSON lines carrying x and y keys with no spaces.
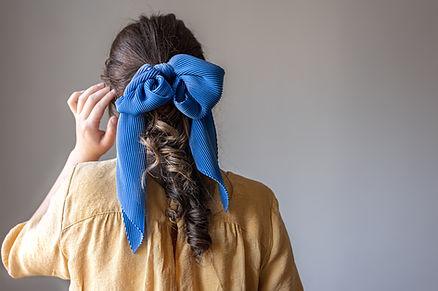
{"x":331,"y":103}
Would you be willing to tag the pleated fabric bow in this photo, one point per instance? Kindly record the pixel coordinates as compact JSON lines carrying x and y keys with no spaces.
{"x":195,"y":86}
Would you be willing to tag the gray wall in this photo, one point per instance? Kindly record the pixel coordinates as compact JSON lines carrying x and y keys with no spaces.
{"x":331,"y":103}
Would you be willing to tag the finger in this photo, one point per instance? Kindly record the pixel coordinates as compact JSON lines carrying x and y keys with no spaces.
{"x":72,"y":101}
{"x":92,"y":100}
{"x":85,"y":94}
{"x":99,"y":109}
{"x":110,"y":134}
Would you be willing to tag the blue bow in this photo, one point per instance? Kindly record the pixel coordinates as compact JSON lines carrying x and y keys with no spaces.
{"x":195,"y":86}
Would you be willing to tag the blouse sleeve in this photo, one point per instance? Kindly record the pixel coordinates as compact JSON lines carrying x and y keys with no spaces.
{"x":279,"y":271}
{"x":32,"y":248}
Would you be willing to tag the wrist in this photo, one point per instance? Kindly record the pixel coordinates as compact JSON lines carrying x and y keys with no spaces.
{"x":76,"y":157}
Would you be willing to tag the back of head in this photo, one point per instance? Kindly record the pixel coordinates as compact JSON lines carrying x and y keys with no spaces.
{"x":154,"y":40}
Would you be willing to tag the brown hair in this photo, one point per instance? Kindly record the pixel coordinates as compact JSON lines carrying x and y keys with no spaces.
{"x":153,"y":40}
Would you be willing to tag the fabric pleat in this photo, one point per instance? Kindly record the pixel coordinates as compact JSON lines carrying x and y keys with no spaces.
{"x":195,"y":86}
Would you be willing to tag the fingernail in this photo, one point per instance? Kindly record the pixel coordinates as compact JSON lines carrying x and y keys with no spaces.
{"x":101,"y":84}
{"x":114,"y":120}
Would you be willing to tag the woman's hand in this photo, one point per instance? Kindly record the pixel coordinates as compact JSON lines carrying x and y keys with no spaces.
{"x":88,"y":107}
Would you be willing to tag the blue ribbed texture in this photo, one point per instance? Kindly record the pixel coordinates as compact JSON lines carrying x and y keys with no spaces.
{"x":195,"y":86}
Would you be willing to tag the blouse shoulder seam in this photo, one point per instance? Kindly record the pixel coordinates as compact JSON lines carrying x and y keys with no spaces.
{"x":60,"y":246}
{"x":88,"y":218}
{"x":268,"y":249}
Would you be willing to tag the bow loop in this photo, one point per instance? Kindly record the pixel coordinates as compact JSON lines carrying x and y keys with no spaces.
{"x":150,"y":91}
{"x":202,"y":81}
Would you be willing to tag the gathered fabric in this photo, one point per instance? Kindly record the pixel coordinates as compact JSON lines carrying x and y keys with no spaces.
{"x":194,"y":86}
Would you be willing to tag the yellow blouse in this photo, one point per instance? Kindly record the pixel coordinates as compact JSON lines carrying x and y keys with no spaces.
{"x":81,"y":238}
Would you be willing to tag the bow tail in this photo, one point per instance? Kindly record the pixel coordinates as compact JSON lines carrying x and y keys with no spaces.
{"x":203,"y":145}
{"x":131,"y":162}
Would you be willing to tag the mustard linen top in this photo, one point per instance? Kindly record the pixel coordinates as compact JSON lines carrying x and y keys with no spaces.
{"x":81,"y":238}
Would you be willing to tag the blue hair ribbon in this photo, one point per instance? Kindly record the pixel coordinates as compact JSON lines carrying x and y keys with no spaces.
{"x":195,"y":86}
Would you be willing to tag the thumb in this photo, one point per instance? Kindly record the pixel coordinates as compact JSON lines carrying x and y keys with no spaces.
{"x":110,"y":133}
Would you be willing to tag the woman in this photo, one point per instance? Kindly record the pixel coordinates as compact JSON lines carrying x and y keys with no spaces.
{"x":204,"y":228}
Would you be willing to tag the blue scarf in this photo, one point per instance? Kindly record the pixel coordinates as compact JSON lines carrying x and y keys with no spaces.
{"x":195,"y":86}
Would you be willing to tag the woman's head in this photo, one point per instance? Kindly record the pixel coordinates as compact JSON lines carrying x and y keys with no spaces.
{"x":151,"y":40}
{"x":154,"y":40}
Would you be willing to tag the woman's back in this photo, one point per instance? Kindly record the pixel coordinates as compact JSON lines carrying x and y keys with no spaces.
{"x":83,"y":239}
